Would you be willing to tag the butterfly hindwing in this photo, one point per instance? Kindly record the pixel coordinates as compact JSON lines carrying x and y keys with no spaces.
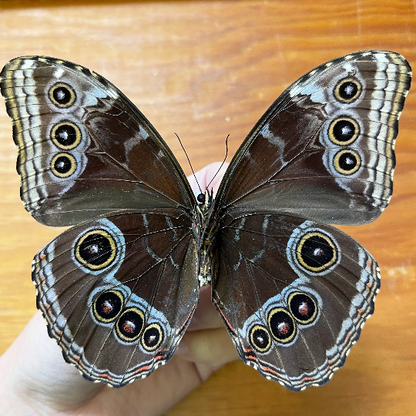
{"x":294,"y":294}
{"x":118,"y":292}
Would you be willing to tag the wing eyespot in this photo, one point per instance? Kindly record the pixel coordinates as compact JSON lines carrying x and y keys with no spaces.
{"x":62,"y":95}
{"x":260,"y":338}
{"x":96,"y":249}
{"x":347,"y":90}
{"x":347,"y":162}
{"x":316,"y":252}
{"x":130,"y":324}
{"x":152,"y":337}
{"x":107,"y":306}
{"x":63,"y":165}
{"x":282,"y":325}
{"x":343,"y":131}
{"x":302,"y":307}
{"x":66,"y":135}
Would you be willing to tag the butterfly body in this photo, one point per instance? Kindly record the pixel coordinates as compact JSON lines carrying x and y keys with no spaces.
{"x":119,"y":289}
{"x":205,"y":227}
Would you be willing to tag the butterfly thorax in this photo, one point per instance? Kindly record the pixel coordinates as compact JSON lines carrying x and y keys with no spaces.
{"x":204,"y":227}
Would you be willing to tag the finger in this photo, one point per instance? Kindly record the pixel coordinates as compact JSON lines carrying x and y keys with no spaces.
{"x":211,"y":347}
{"x":204,"y":176}
{"x":205,"y":316}
{"x":35,"y":369}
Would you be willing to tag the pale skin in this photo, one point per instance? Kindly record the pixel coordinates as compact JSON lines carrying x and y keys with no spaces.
{"x":35,"y":380}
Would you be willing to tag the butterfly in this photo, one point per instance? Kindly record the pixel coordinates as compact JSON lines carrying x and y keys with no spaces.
{"x":119,"y":289}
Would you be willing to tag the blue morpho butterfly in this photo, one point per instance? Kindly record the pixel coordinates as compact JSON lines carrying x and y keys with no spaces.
{"x":119,"y":289}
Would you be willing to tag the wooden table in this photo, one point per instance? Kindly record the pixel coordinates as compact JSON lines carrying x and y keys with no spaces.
{"x":205,"y":70}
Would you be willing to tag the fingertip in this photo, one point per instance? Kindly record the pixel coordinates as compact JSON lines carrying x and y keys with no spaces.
{"x":211,"y":347}
{"x":204,"y":176}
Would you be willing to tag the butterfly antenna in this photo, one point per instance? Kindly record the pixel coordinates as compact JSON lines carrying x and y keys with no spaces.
{"x":222,"y":163}
{"x":189,"y":163}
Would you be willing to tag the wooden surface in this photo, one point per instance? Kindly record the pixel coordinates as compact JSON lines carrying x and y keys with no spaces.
{"x":205,"y":70}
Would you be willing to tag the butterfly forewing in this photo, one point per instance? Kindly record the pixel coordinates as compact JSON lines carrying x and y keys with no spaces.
{"x":325,"y":148}
{"x":84,"y":148}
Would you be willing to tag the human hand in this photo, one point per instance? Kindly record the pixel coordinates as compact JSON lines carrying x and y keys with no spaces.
{"x":35,"y":380}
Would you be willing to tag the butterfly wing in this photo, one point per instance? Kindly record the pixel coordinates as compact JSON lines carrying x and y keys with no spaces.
{"x":84,"y":148}
{"x":293,"y":291}
{"x":325,"y":148}
{"x":118,"y":292}
{"x":294,"y":294}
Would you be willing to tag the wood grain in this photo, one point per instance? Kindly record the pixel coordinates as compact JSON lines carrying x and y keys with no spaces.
{"x":205,"y":70}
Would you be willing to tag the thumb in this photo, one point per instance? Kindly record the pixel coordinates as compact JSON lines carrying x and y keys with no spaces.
{"x":213,"y":172}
